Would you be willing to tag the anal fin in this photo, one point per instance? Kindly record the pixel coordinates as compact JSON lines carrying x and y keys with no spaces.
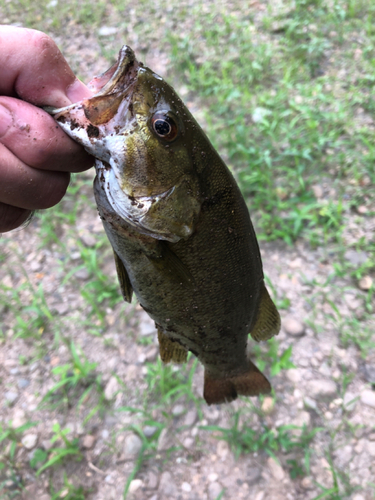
{"x":125,"y":285}
{"x":170,"y":350}
{"x":224,"y":390}
{"x":268,"y":322}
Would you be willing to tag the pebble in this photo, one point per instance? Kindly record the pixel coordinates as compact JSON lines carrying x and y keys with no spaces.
{"x":167,"y":485}
{"x":259,"y":495}
{"x":293,"y":326}
{"x":11,"y":397}
{"x":107,"y":30}
{"x":371,"y":448}
{"x":321,"y":389}
{"x":368,"y":398}
{"x":111,"y":388}
{"x":276,"y":470}
{"x":356,"y":258}
{"x":190,"y":417}
{"x":61,"y":308}
{"x":222,"y":449}
{"x":19,"y":418}
{"x":268,"y":405}
{"x":365,"y":283}
{"x":164,"y":440}
{"x":135,"y":485}
{"x":23,"y":383}
{"x":350,"y":401}
{"x":45,"y":497}
{"x":152,"y":480}
{"x":88,"y":441}
{"x":178,"y":410}
{"x":149,"y":430}
{"x":132,"y":445}
{"x":307,"y":483}
{"x":88,"y":239}
{"x":212,"y":477}
{"x":29,"y":441}
{"x":358,"y":496}
{"x":369,"y":373}
{"x":186,"y":487}
{"x":214,"y":490}
{"x":82,"y":274}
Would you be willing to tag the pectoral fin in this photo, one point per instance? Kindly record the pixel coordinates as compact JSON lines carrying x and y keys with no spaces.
{"x":268,"y":319}
{"x":225,"y":390}
{"x":125,"y":285}
{"x":170,"y":350}
{"x":169,"y":264}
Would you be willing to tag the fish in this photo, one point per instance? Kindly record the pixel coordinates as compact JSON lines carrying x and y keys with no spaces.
{"x":178,"y":224}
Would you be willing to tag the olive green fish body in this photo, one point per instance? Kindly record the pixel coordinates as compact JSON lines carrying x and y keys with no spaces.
{"x":179,"y":227}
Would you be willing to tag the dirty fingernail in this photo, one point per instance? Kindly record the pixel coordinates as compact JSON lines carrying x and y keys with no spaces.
{"x":6,"y":120}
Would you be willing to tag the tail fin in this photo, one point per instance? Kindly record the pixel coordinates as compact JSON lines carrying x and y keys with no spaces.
{"x":225,"y":390}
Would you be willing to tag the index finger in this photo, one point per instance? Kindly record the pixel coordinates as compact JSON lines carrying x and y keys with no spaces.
{"x":33,"y":69}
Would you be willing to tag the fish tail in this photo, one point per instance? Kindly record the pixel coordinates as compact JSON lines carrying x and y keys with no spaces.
{"x":224,"y":390}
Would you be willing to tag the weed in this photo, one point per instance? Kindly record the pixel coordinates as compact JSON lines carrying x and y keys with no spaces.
{"x":279,"y":361}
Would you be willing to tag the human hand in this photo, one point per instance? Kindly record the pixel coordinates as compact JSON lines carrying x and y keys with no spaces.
{"x":36,"y":156}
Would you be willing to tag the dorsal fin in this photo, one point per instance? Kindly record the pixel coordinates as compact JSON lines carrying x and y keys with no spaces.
{"x":267,"y":323}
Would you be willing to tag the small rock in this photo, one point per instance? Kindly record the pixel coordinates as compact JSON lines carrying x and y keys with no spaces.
{"x":276,"y":470}
{"x":356,"y":258}
{"x":132,"y":445}
{"x":214,"y":490}
{"x":212,"y":477}
{"x":368,"y":398}
{"x":82,"y":274}
{"x":11,"y":397}
{"x":371,"y":448}
{"x":146,"y":327}
{"x":369,"y":373}
{"x":318,"y":191}
{"x":259,"y":495}
{"x":23,"y":383}
{"x":365,"y":283}
{"x":167,"y":485}
{"x":222,"y":449}
{"x":88,"y":239}
{"x":45,"y":497}
{"x":358,"y":496}
{"x":88,"y":441}
{"x":190,"y":417}
{"x":152,"y":480}
{"x":107,"y":31}
{"x":111,"y":388}
{"x":149,"y":430}
{"x":186,"y":487}
{"x":188,"y":442}
{"x":135,"y":485}
{"x":293,"y":326}
{"x":164,"y":440}
{"x":178,"y":410}
{"x":19,"y":419}
{"x":307,"y":483}
{"x":60,"y":308}
{"x":321,"y":389}
{"x":350,"y":401}
{"x":29,"y":441}
{"x":268,"y":405}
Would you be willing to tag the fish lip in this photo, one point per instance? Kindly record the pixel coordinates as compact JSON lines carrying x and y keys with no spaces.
{"x":119,"y":78}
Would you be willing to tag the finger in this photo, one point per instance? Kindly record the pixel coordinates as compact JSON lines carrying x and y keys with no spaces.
{"x":36,"y":71}
{"x":12,"y":217}
{"x":29,"y":188}
{"x":36,"y":139}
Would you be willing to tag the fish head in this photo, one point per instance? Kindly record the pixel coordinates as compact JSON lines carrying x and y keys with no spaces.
{"x":142,"y":136}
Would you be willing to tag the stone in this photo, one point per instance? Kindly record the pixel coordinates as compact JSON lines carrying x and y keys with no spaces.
{"x":365,"y":283}
{"x":307,"y":483}
{"x":186,"y":487}
{"x":259,"y":495}
{"x":214,"y":490}
{"x":371,"y":448}
{"x":45,"y":497}
{"x":268,"y":405}
{"x":88,"y":441}
{"x":212,"y":477}
{"x":82,"y":274}
{"x":368,"y":398}
{"x":88,"y":239}
{"x":356,"y":257}
{"x":358,"y":496}
{"x":222,"y":449}
{"x":29,"y":441}
{"x":107,"y":30}
{"x":321,"y":389}
{"x":190,"y":417}
{"x":111,"y":388}
{"x":152,"y":480}
{"x":11,"y":397}
{"x":132,"y":445}
{"x":293,"y":327}
{"x":149,"y":430}
{"x":369,"y":373}
{"x":23,"y":383}
{"x":178,"y":410}
{"x":350,"y":401}
{"x":19,"y":419}
{"x":275,"y":468}
{"x":135,"y":485}
{"x":164,"y":440}
{"x":167,"y":486}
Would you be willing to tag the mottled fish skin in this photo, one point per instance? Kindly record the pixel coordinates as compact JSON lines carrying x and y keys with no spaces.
{"x":178,"y":224}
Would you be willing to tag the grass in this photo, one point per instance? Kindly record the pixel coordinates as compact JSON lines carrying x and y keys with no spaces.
{"x":286,"y":94}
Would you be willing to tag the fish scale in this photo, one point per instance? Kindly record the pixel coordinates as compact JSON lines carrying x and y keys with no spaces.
{"x":179,"y":227}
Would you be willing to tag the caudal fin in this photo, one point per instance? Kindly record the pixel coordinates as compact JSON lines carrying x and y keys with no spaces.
{"x":225,"y":390}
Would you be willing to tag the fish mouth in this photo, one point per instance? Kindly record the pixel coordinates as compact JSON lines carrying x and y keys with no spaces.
{"x":111,"y":88}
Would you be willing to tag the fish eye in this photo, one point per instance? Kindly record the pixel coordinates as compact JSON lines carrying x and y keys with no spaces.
{"x":164,"y":126}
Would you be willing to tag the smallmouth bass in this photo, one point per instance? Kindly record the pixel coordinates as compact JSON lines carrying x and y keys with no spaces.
{"x":180,"y":230}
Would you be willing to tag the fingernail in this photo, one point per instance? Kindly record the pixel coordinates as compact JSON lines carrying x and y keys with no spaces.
{"x":77,"y":91}
{"x":6,"y":120}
